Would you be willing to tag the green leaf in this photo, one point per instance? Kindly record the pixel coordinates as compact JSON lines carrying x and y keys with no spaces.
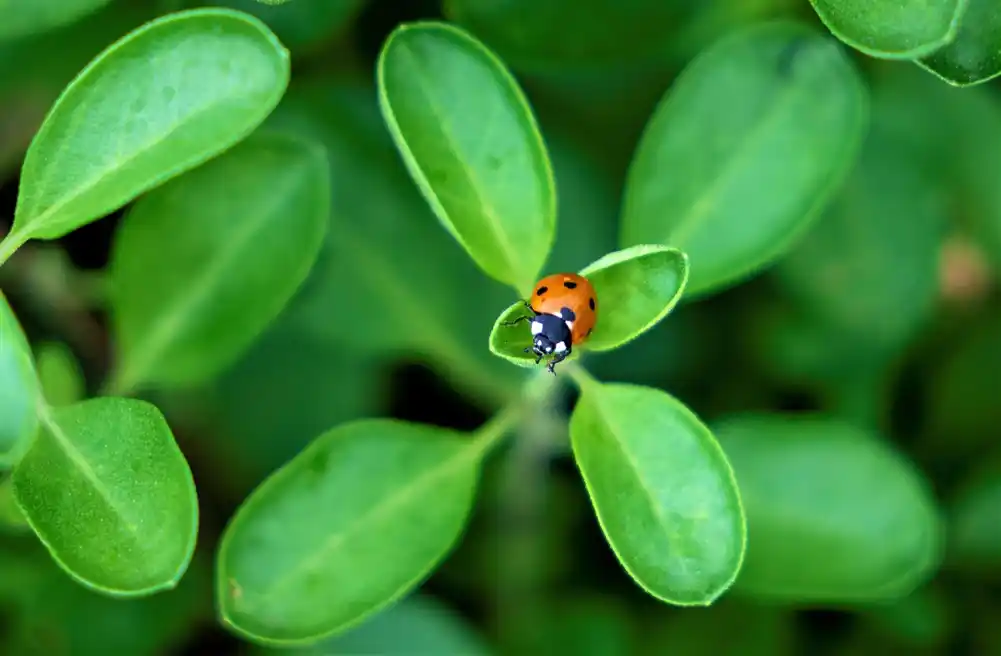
{"x":799,"y":96}
{"x":974,"y":55}
{"x":635,"y":288}
{"x":110,"y":495}
{"x":834,"y":514}
{"x":21,"y":18}
{"x":171,"y":94}
{"x":607,"y":33}
{"x":19,"y":388}
{"x":893,"y":29}
{"x":662,"y":490}
{"x":417,"y":625}
{"x":352,"y":523}
{"x":60,"y":374}
{"x":381,"y":238}
{"x":840,"y":273}
{"x":471,"y":143}
{"x":203,"y":264}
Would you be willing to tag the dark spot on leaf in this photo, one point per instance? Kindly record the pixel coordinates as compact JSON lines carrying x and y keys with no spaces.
{"x":590,"y":303}
{"x":569,"y":284}
{"x":541,"y":290}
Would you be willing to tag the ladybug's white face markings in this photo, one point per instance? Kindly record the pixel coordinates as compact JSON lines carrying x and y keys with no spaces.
{"x":536,"y":327}
{"x":561,"y":346}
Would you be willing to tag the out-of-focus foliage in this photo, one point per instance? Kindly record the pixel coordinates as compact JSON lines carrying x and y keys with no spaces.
{"x":256,"y":390}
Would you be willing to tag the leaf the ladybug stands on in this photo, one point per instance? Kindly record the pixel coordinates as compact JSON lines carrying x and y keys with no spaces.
{"x":636,"y":288}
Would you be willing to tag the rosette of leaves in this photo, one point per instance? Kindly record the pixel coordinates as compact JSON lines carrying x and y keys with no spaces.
{"x":370,"y":508}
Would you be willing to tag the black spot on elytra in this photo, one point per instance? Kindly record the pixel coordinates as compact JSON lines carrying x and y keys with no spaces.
{"x":590,"y":303}
{"x":569,"y":284}
{"x":541,"y":290}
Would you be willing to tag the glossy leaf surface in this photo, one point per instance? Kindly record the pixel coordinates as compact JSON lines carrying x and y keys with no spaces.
{"x":896,"y":29}
{"x":635,"y":287}
{"x":201,"y":265}
{"x":352,"y":523}
{"x":974,"y":56}
{"x":471,"y":143}
{"x":110,"y":495}
{"x":170,"y":95}
{"x":834,"y":514}
{"x":662,"y":490}
{"x":19,"y":388}
{"x":797,"y":128}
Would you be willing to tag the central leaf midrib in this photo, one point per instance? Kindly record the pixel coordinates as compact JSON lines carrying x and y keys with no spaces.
{"x":83,"y":466}
{"x":95,"y":180}
{"x":173,"y":319}
{"x":398,"y":498}
{"x":655,"y":506}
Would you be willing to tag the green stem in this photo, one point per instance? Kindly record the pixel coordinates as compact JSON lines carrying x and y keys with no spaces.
{"x":13,"y":241}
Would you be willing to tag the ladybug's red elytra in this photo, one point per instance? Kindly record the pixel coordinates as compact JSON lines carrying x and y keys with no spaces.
{"x":564,"y":312}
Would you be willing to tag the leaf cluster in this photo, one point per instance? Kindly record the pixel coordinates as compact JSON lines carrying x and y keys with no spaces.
{"x":281,"y":239}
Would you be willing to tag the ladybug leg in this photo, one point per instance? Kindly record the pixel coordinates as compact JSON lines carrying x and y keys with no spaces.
{"x":558,"y":358}
{"x":516,"y":321}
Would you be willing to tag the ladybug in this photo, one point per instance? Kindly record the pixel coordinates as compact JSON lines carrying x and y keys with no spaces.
{"x":564,"y":312}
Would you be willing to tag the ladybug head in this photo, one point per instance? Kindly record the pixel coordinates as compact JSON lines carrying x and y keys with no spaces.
{"x":550,"y":334}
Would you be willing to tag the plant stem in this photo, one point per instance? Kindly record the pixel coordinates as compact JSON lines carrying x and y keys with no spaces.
{"x":13,"y":241}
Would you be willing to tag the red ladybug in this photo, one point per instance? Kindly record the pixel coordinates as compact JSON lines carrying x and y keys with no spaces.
{"x":564,"y":312}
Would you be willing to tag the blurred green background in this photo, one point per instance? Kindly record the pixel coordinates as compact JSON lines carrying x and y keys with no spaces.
{"x":885,"y":315}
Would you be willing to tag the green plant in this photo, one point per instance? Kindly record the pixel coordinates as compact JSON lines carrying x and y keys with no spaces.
{"x":412,"y":218}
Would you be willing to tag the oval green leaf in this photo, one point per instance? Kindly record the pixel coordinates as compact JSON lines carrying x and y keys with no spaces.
{"x":60,"y":374}
{"x":636,"y":288}
{"x":21,"y":19}
{"x":107,"y":490}
{"x":168,"y":96}
{"x":351,"y":524}
{"x":797,"y":128}
{"x":974,"y":55}
{"x":834,"y":514}
{"x":662,"y":490}
{"x":203,"y":264}
{"x":19,"y":388}
{"x":892,"y":29}
{"x":472,"y":145}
